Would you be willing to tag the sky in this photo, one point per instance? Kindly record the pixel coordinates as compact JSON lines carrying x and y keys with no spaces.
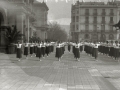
{"x":60,"y":10}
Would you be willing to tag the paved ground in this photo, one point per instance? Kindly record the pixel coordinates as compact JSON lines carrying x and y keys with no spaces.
{"x":50,"y":74}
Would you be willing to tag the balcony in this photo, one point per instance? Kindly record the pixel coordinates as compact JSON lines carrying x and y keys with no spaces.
{"x":87,"y":13}
{"x":95,"y":21}
{"x":111,"y":22}
{"x":95,"y":13}
{"x":87,"y":21}
{"x":103,"y":13}
{"x":111,"y":13}
{"x":103,"y":22}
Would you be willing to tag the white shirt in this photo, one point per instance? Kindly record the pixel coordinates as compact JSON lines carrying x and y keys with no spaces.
{"x":96,"y":45}
{"x":26,"y":44}
{"x":77,"y":45}
{"x":31,"y":45}
{"x":19,"y":46}
{"x":39,"y":45}
{"x":59,"y":46}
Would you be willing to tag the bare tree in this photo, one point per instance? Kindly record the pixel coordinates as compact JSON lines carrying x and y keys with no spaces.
{"x":56,"y":32}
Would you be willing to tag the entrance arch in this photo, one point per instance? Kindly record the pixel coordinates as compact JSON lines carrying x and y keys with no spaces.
{"x":2,"y":23}
{"x":1,"y":19}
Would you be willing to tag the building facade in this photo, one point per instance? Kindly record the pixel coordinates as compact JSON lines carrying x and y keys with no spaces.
{"x":28,"y":16}
{"x":23,"y":15}
{"x":41,"y":13}
{"x":92,"y":21}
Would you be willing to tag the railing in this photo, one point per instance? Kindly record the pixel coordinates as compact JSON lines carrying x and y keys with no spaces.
{"x":103,"y":22}
{"x":87,"y":13}
{"x":95,"y":13}
{"x":103,"y":13}
{"x":111,"y":22}
{"x":95,"y":21}
{"x":86,"y":21}
{"x":111,"y":13}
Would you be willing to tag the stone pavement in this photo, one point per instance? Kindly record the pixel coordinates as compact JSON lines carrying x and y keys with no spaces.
{"x":50,"y":74}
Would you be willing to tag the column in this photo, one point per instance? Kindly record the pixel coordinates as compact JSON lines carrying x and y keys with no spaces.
{"x":20,"y":18}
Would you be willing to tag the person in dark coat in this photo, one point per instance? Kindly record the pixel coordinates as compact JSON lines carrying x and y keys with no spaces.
{"x":47,"y":49}
{"x":31,"y":49}
{"x":26,"y":49}
{"x":77,"y":51}
{"x":39,"y":51}
{"x":116,"y":51}
{"x":81,"y":47}
{"x":43,"y":49}
{"x":35,"y":48}
{"x":58,"y":51}
{"x":19,"y":51}
{"x":69,"y":47}
{"x":96,"y":50}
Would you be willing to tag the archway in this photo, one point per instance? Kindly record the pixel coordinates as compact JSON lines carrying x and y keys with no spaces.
{"x":1,"y":19}
{"x":2,"y":22}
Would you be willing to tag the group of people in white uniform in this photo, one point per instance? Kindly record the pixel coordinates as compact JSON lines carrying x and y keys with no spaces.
{"x":45,"y":48}
{"x":38,"y":49}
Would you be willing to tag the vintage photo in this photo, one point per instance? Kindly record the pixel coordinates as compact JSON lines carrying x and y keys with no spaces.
{"x":59,"y":44}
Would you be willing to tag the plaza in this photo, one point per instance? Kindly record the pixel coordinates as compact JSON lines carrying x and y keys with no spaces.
{"x":51,"y":74}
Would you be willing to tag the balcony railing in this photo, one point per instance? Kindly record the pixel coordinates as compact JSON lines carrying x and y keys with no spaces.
{"x":111,"y":13}
{"x":103,"y":22}
{"x":87,"y":13}
{"x":111,"y":22}
{"x":86,"y":21}
{"x":95,"y":22}
{"x":103,"y":13}
{"x":95,"y":13}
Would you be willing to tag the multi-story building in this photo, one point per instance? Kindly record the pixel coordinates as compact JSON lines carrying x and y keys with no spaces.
{"x":92,"y":21}
{"x":23,"y":14}
{"x":41,"y":13}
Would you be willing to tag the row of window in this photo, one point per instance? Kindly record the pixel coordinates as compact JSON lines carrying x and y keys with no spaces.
{"x":87,"y":19}
{"x":95,"y":27}
{"x":95,"y":11}
{"x":111,"y":36}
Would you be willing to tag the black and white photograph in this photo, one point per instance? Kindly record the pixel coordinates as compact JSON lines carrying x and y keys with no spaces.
{"x":59,"y":44}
